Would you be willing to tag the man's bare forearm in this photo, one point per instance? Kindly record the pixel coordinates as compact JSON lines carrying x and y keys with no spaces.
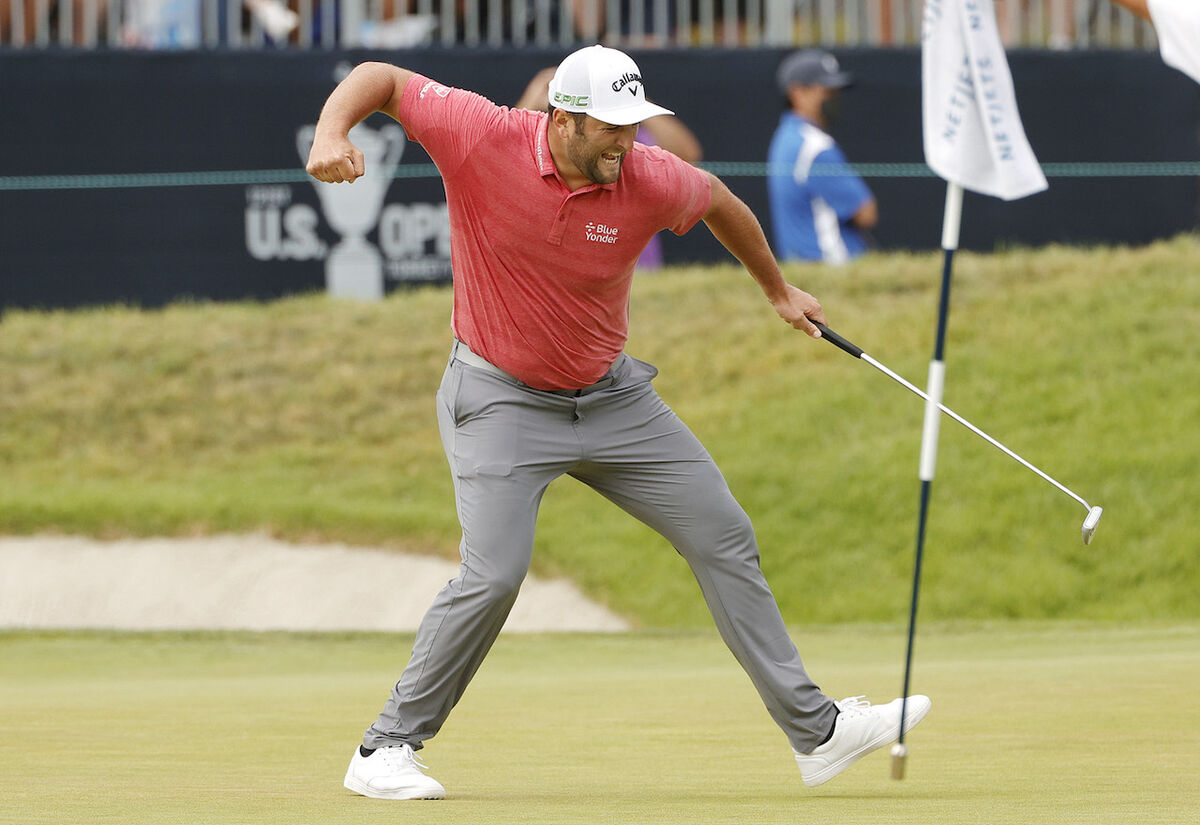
{"x":733,"y":224}
{"x":371,"y":87}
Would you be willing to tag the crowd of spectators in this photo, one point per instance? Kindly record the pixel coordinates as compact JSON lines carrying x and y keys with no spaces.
{"x":376,"y":23}
{"x":149,"y":24}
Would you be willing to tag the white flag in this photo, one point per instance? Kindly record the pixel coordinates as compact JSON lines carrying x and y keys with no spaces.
{"x":1177,"y":23}
{"x":973,"y":132}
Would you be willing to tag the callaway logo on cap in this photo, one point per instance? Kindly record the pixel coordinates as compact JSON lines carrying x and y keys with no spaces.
{"x":604,"y":83}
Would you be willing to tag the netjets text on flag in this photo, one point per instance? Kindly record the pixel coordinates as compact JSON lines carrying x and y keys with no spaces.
{"x":972,"y":130}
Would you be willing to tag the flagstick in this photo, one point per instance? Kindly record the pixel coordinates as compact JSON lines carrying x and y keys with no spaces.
{"x":951,"y":223}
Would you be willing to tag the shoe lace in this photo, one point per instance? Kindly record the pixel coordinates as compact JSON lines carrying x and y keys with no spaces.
{"x":402,"y":756}
{"x":854,"y":705}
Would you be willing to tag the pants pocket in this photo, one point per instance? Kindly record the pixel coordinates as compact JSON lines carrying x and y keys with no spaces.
{"x":486,"y":427}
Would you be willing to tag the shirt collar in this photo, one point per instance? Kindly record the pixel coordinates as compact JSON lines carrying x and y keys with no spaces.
{"x":541,"y":149}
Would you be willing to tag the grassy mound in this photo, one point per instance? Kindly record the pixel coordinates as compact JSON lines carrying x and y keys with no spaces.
{"x":313,"y":418}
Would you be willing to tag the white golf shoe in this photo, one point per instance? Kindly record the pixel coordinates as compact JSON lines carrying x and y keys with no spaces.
{"x":860,"y":728}
{"x":393,"y":772}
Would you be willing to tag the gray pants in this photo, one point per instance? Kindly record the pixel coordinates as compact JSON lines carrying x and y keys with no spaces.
{"x":505,"y":443}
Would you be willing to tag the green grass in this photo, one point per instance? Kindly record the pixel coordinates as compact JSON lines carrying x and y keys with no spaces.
{"x":310,"y":418}
{"x":1032,"y":723}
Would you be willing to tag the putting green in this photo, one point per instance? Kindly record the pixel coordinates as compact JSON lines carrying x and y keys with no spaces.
{"x":1031,"y":723}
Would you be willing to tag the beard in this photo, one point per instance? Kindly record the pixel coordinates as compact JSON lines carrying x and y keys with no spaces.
{"x":590,"y":163}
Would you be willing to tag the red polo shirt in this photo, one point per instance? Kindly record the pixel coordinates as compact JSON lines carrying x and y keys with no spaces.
{"x":542,"y":274}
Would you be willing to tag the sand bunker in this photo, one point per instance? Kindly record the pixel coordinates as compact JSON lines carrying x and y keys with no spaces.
{"x":248,"y":583}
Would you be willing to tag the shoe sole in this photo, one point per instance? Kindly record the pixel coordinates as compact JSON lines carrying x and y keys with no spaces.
{"x":825,"y":774}
{"x":362,"y":789}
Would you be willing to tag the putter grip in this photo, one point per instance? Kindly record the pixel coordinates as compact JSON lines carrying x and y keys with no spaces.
{"x":838,"y":341}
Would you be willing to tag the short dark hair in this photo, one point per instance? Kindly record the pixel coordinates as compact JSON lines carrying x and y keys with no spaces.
{"x":578,"y":117}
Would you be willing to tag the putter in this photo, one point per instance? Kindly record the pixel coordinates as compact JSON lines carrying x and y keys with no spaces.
{"x":1093,"y":513}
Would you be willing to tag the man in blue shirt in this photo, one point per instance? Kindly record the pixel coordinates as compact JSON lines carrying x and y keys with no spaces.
{"x":819,"y":206}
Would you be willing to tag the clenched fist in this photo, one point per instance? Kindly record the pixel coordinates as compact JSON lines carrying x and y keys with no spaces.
{"x":335,"y":160}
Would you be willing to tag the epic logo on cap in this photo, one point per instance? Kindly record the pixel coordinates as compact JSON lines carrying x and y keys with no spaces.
{"x":571,"y":100}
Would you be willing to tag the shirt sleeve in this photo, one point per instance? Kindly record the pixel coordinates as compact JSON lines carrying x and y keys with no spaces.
{"x":447,"y":122}
{"x":686,"y":191}
{"x":1177,"y":24}
{"x":844,"y":190}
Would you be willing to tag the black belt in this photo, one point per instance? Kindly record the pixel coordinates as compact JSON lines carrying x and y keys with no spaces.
{"x":462,"y":352}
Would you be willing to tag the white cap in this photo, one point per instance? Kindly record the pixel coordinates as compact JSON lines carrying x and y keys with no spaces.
{"x":604,"y":83}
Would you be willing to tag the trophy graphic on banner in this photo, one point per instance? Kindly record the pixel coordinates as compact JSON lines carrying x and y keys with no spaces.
{"x":354,"y":266}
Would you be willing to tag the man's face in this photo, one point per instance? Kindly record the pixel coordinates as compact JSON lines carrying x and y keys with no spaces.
{"x":598,"y":149}
{"x":817,"y":103}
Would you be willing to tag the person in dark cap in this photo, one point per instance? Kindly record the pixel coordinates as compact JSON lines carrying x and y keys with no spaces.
{"x":820,"y":208}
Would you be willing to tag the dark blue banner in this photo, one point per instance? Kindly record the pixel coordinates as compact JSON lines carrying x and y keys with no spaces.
{"x":149,"y":177}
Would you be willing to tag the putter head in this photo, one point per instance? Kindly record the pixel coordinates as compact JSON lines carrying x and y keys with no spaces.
{"x":1089,"y":523}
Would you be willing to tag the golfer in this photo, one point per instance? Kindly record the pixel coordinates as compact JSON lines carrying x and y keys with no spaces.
{"x":548,"y":214}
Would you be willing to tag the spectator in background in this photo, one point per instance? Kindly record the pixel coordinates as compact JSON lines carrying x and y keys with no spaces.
{"x":21,"y":21}
{"x":1177,"y":24}
{"x":666,"y":131}
{"x":277,"y":20}
{"x":815,"y":217}
{"x":634,"y":25}
{"x":162,"y":24}
{"x":179,"y":24}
